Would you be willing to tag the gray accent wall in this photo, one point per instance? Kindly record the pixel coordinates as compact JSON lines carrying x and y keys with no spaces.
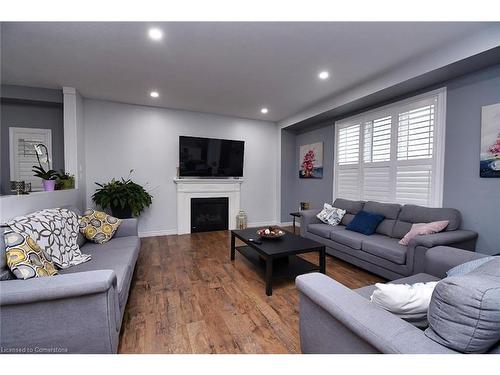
{"x":295,"y":189}
{"x":477,"y":198}
{"x":28,"y":107}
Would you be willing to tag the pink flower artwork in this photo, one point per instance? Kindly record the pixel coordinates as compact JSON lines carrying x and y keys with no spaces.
{"x":311,"y":161}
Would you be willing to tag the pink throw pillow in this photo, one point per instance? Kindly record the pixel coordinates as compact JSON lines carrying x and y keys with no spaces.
{"x":423,"y":228}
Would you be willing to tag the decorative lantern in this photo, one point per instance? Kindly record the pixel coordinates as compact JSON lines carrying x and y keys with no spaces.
{"x":241,"y":220}
{"x":18,"y":187}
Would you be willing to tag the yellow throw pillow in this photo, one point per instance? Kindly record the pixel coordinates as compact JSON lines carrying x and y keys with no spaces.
{"x":98,"y":227}
{"x":25,"y":258}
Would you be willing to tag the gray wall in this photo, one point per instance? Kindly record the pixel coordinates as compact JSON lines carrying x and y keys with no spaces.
{"x":295,"y":189}
{"x":120,"y":137}
{"x":477,"y":198}
{"x":289,"y":171}
{"x":28,"y":107}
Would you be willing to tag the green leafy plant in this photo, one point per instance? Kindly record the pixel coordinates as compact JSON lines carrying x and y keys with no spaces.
{"x":122,"y":194}
{"x":61,"y":175}
{"x":43,"y":174}
{"x":65,"y":180}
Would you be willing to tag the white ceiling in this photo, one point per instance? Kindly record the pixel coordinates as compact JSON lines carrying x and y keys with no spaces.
{"x":225,"y":68}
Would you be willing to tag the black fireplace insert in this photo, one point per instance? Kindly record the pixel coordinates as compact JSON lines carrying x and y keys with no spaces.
{"x":209,"y":214}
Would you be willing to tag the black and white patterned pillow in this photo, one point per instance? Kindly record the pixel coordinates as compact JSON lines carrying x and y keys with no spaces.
{"x":56,"y":231}
{"x":331,"y":215}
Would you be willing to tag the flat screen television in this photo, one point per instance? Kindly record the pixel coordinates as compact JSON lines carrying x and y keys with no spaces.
{"x":209,"y":157}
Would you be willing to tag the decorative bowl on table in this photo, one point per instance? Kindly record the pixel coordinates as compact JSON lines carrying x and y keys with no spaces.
{"x":271,"y":233}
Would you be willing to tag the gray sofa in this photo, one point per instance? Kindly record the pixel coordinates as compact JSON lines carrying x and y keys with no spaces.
{"x":380,"y":253}
{"x":337,"y":320}
{"x":78,"y":311}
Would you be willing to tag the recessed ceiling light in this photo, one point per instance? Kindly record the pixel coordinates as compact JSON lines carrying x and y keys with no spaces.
{"x":264,"y":110}
{"x":323,"y":75}
{"x":154,"y":94}
{"x":155,"y":33}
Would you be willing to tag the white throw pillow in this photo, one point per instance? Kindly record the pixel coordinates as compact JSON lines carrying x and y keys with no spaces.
{"x":56,"y":231}
{"x":331,"y":215}
{"x":409,"y":302}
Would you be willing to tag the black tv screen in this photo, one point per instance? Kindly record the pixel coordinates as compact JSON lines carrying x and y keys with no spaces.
{"x":209,"y":157}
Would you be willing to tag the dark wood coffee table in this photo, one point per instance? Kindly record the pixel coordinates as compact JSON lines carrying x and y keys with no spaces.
{"x":278,"y":256}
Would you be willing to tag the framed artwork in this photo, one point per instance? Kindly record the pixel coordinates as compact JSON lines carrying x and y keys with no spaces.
{"x":490,"y":141}
{"x":311,"y":160}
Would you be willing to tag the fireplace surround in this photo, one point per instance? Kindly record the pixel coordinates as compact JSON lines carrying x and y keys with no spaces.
{"x":188,"y":188}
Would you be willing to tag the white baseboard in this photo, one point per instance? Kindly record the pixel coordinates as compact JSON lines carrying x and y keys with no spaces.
{"x":289,"y":224}
{"x":168,"y":232}
{"x":261,"y":224}
{"x":154,"y":233}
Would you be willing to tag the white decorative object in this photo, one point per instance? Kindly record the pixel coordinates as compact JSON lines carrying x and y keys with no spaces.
{"x":205,"y":188}
{"x":241,"y":220}
{"x":406,"y":301}
{"x":331,"y":215}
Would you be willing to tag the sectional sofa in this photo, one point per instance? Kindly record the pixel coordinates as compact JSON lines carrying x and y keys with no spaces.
{"x":381,"y":253}
{"x":78,"y":311}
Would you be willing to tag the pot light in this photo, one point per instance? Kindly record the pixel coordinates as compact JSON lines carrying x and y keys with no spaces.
{"x":154,"y":94}
{"x":264,"y":110}
{"x":323,"y":75}
{"x":155,"y":34}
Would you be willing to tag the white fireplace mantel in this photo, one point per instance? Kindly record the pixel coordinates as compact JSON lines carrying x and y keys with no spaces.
{"x":188,"y":188}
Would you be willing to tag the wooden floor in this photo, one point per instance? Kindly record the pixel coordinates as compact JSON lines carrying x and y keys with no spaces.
{"x":188,"y":297}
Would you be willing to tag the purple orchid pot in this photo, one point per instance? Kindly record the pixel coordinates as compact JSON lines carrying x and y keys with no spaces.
{"x":49,"y":185}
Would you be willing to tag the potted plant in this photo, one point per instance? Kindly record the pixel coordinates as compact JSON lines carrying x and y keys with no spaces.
{"x":48,"y":177}
{"x":65,"y":180}
{"x":125,"y":198}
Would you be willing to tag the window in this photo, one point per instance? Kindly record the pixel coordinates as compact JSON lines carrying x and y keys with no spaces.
{"x":23,"y":155}
{"x":394,"y":153}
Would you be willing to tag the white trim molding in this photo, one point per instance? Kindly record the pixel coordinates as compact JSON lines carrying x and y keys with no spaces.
{"x":155,"y":233}
{"x":205,"y":188}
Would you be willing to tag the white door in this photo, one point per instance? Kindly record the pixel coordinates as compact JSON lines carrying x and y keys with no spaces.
{"x":23,"y":155}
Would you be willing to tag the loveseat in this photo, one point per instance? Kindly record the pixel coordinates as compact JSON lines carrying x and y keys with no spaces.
{"x":380,"y":252}
{"x":78,"y":311}
{"x":337,"y":320}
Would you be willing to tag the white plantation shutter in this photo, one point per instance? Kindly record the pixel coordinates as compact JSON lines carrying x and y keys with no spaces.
{"x":348,"y":183}
{"x":413,"y":184}
{"x":390,"y":154}
{"x":416,"y":133}
{"x":348,"y":145}
{"x":23,"y":156}
{"x":376,"y":184}
{"x":377,"y":140}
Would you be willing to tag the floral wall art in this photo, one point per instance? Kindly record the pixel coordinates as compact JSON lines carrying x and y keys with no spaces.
{"x":490,"y":141}
{"x":311,"y":161}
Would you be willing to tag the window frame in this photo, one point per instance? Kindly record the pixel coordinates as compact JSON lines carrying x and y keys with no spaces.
{"x":394,"y":109}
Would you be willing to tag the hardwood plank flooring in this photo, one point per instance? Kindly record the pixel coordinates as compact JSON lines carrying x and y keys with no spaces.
{"x":188,"y":297}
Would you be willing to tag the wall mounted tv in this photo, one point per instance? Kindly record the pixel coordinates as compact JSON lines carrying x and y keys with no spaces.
{"x":209,"y":157}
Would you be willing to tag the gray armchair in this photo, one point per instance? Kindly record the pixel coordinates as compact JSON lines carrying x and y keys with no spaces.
{"x":336,"y":319}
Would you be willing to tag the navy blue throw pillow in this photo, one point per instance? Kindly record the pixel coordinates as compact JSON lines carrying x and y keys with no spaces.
{"x":365,"y":222}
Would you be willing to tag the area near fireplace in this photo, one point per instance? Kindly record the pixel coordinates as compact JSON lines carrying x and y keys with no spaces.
{"x":189,"y":189}
{"x":209,"y":214}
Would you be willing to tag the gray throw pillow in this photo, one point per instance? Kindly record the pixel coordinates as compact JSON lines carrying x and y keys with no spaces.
{"x":465,"y":268}
{"x":464,"y":313}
